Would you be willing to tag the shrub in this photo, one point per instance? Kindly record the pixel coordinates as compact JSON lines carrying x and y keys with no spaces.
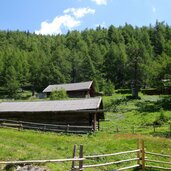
{"x":58,"y":95}
{"x":161,"y":119}
{"x":108,"y":88}
{"x":123,"y":91}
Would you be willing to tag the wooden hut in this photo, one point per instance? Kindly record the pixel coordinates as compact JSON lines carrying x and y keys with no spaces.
{"x":74,"y":90}
{"x":78,"y":112}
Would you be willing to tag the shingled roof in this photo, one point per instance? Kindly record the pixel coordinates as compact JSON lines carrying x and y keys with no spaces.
{"x":51,"y":106}
{"x":69,"y":87}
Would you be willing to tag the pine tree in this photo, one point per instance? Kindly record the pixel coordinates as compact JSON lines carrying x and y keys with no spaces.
{"x":12,"y":84}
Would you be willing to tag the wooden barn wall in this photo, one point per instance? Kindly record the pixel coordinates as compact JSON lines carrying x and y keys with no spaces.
{"x":78,"y":94}
{"x":92,"y":91}
{"x":80,"y":119}
{"x":75,"y":94}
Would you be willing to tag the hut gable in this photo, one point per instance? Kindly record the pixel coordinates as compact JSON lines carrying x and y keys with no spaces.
{"x":82,"y":89}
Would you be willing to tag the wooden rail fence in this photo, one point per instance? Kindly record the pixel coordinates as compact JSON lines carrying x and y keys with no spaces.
{"x":158,"y":161}
{"x":78,"y":162}
{"x":44,"y":127}
{"x":137,"y":129}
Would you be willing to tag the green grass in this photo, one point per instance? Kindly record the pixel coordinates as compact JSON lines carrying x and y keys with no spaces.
{"x":27,"y":145}
{"x":127,"y":114}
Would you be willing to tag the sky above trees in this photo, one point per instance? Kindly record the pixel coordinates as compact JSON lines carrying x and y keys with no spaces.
{"x":59,"y":16}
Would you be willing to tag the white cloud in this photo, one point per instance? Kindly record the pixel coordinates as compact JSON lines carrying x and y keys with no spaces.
{"x":68,"y":21}
{"x":154,"y":9}
{"x":100,"y":2}
{"x":55,"y":26}
{"x":80,"y":12}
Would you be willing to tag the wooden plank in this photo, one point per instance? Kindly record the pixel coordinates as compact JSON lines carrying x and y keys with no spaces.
{"x":110,"y":163}
{"x":94,"y":121}
{"x":157,"y":161}
{"x":42,"y":161}
{"x":47,"y":127}
{"x":157,"y":167}
{"x":129,"y":167}
{"x":157,"y":154}
{"x":138,"y":152}
{"x":74,"y":156}
{"x":98,"y":124}
{"x":10,"y":124}
{"x":143,"y":155}
{"x":81,"y":156}
{"x":43,"y":124}
{"x":113,"y":154}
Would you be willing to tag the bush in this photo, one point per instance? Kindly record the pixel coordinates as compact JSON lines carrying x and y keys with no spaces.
{"x":58,"y":95}
{"x":114,"y":104}
{"x":161,"y":119}
{"x":108,"y":88}
{"x":123,"y":91}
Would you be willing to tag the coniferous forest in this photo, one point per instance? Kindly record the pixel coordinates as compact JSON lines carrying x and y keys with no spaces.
{"x":114,"y":55}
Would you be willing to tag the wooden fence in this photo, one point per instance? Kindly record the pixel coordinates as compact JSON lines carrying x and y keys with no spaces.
{"x":78,"y":162}
{"x":44,"y":127}
{"x":138,"y":129}
{"x":79,"y":129}
{"x":158,"y":161}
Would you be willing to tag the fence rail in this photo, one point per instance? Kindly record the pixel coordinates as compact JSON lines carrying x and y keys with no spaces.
{"x":110,"y":163}
{"x":44,"y":127}
{"x":158,"y":161}
{"x":114,"y":154}
{"x":78,"y":162}
{"x":137,"y":129}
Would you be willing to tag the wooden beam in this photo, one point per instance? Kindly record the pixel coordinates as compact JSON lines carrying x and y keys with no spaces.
{"x":74,"y":156}
{"x":110,"y":163}
{"x":157,"y":154}
{"x":113,"y":154}
{"x":98,"y":124}
{"x":143,"y":155}
{"x":94,"y":121}
{"x":138,"y":152}
{"x":81,"y":156}
{"x":158,"y":167}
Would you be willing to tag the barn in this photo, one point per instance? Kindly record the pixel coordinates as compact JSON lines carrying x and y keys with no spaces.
{"x":74,"y":90}
{"x":76,"y":112}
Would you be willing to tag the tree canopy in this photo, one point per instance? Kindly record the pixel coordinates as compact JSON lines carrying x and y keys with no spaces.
{"x":104,"y":55}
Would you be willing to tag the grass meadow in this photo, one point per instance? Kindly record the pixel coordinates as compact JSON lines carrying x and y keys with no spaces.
{"x":126,"y":121}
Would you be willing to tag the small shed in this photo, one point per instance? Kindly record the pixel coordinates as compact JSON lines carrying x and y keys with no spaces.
{"x":74,"y":90}
{"x":78,"y":112}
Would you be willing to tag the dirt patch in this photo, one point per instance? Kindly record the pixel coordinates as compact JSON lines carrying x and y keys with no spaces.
{"x":31,"y":168}
{"x":12,"y":167}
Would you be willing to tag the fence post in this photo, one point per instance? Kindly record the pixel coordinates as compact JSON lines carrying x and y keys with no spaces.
{"x":117,"y":129}
{"x":154,"y":128}
{"x":81,"y":156}
{"x":67,"y":128}
{"x":138,"y":153}
{"x":74,"y":156}
{"x":20,"y":126}
{"x":133,"y":130}
{"x":94,"y":122}
{"x":143,"y":155}
{"x":44,"y":128}
{"x":170,"y":128}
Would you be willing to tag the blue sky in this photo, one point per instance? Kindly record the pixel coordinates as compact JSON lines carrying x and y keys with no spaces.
{"x":59,"y":16}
